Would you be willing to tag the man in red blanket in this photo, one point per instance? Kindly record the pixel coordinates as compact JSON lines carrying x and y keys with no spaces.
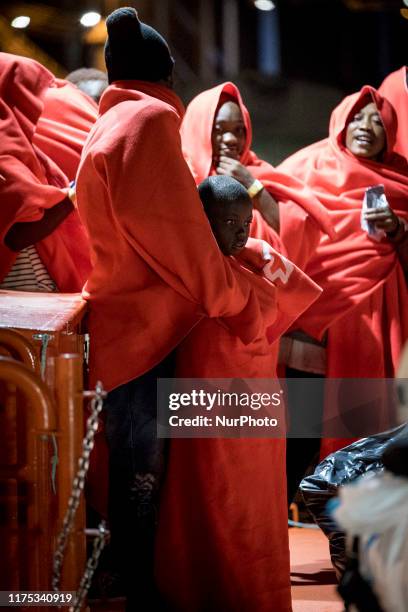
{"x":157,"y":271}
{"x":223,"y":538}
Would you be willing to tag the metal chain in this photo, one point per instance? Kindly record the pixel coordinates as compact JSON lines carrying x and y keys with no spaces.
{"x":78,"y":483}
{"x":92,"y":564}
{"x":44,"y":339}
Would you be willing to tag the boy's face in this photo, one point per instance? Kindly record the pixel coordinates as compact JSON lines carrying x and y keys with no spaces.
{"x":230,"y":223}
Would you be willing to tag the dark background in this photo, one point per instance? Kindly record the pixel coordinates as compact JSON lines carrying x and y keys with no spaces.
{"x":323,"y":50}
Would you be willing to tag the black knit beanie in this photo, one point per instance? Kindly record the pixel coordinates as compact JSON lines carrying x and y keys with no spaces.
{"x":134,"y":50}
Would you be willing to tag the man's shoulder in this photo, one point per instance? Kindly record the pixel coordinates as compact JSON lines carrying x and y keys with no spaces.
{"x":130,"y":120}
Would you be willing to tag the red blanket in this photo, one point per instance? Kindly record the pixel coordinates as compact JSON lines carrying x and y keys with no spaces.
{"x":30,"y":182}
{"x":302,"y":217}
{"x":222,"y":541}
{"x":364,"y":301}
{"x":64,"y":124}
{"x":395,"y":89}
{"x":157,"y":267}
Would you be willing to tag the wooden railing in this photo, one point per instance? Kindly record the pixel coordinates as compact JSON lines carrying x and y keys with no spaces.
{"x":28,"y":506}
{"x":34,"y":422}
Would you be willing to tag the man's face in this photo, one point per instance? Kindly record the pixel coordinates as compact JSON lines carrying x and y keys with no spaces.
{"x":230,"y":223}
{"x":228,"y":134}
{"x":365,"y":135}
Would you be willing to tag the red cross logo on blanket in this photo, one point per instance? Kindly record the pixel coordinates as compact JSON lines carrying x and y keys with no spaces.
{"x":278,"y":268}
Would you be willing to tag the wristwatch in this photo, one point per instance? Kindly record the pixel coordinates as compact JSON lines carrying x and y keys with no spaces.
{"x":254,"y":189}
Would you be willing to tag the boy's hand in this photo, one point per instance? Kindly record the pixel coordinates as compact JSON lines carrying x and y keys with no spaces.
{"x":232,"y":167}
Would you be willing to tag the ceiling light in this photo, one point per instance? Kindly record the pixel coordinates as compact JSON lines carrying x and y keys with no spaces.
{"x":264,"y":5}
{"x":90,"y":19}
{"x":20,"y":22}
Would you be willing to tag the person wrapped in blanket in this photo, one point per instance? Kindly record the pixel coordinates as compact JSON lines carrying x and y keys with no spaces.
{"x":222,"y":539}
{"x":362,"y":311}
{"x":157,"y":271}
{"x":43,"y":245}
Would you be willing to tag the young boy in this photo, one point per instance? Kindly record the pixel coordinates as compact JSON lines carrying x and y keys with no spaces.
{"x":229,"y":210}
{"x":223,"y":539}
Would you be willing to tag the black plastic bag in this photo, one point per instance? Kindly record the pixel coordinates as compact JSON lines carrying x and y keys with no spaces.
{"x":342,"y":467}
{"x":353,"y":588}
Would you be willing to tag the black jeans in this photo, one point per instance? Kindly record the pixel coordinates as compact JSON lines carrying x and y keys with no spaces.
{"x":300,"y":452}
{"x":136,"y":469}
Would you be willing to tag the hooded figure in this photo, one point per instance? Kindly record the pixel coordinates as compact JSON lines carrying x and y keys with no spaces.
{"x":362,"y":309}
{"x":291,"y":210}
{"x":43,"y":244}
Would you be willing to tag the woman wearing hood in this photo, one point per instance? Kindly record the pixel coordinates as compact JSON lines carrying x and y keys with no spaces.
{"x":43,"y":244}
{"x":216,"y":135}
{"x":362,"y":313}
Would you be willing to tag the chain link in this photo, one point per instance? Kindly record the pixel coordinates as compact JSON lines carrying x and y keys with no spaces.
{"x":74,"y":500}
{"x":92,"y":563}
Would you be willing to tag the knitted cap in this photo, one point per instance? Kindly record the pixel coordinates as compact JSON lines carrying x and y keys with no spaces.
{"x":134,"y":50}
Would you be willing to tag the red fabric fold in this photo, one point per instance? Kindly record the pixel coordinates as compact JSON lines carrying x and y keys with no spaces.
{"x":364,"y":301}
{"x":157,"y":267}
{"x":64,"y":124}
{"x":31,"y":182}
{"x":395,"y":89}
{"x":295,"y":291}
{"x":302,"y":217}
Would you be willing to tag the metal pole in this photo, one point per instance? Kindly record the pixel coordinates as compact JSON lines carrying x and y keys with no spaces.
{"x":269,"y":55}
{"x":207,"y":40}
{"x":230,"y":38}
{"x":69,"y":388}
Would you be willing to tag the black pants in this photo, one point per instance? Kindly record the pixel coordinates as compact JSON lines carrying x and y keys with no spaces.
{"x":136,"y":469}
{"x":300,"y":452}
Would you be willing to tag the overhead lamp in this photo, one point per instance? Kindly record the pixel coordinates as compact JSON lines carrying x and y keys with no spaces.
{"x":20,"y":22}
{"x":264,"y":5}
{"x":90,"y":19}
